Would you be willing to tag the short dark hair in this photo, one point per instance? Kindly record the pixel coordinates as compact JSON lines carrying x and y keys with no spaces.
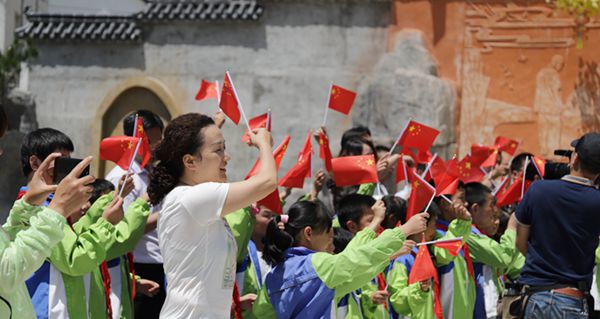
{"x":394,"y":206}
{"x":100,"y":186}
{"x":3,"y":121}
{"x":475,"y":193}
{"x":355,"y":132}
{"x":341,"y":238}
{"x":149,"y":120}
{"x":588,"y":167}
{"x":352,"y":207}
{"x":382,"y":148}
{"x":41,"y":143}
{"x":518,"y":161}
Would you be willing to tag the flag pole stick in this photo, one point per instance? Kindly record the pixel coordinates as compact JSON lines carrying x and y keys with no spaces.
{"x":438,"y":241}
{"x":500,"y":186}
{"x":430,"y":201}
{"x":137,"y":147}
{"x":446,"y":198}
{"x":269,"y":119}
{"x":135,"y":129}
{"x":428,"y":165}
{"x":218,"y":96}
{"x":399,"y":136}
{"x":239,"y":103}
{"x":524,"y":176}
{"x":327,"y":105}
{"x":405,"y":172}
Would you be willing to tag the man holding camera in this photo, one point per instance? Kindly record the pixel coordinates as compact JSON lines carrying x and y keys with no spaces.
{"x":558,"y":229}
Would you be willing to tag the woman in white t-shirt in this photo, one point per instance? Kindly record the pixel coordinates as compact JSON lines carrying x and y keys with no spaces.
{"x":198,"y":248}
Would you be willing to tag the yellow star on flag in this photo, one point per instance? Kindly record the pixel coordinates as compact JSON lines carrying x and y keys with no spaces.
{"x":370,"y":162}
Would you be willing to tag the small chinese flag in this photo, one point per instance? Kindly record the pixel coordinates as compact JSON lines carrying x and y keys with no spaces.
{"x":256,"y":122}
{"x":118,"y":149}
{"x":296,"y":175}
{"x":208,"y":90}
{"x":230,"y":105}
{"x":278,"y":154}
{"x":144,"y":150}
{"x":513,"y":193}
{"x":424,"y":157}
{"x":483,"y":156}
{"x":438,"y":167}
{"x":467,"y":171}
{"x":325,"y":151}
{"x":506,"y":145}
{"x":341,"y":99}
{"x":445,"y":184}
{"x":354,"y":170}
{"x":540,"y":165}
{"x":423,"y":268}
{"x":419,"y":136}
{"x":420,"y":194}
{"x":272,"y":202}
{"x":452,"y":246}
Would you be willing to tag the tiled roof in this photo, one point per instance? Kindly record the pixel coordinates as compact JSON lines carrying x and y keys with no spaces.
{"x":205,"y":10}
{"x":80,"y":27}
{"x":129,"y":28}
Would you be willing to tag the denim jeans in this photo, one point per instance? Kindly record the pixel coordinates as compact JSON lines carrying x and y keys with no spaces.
{"x":551,"y":305}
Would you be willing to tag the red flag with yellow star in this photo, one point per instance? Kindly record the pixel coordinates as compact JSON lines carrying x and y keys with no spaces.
{"x":467,"y":171}
{"x":354,"y":170}
{"x":438,"y":167}
{"x":452,"y":246}
{"x":230,"y":104}
{"x":512,"y":193}
{"x":341,"y":99}
{"x":208,"y":90}
{"x":144,"y":152}
{"x":278,"y":154}
{"x":419,"y":136}
{"x":423,"y":269}
{"x":118,"y":149}
{"x":421,"y":193}
{"x":506,"y":144}
{"x":257,"y":122}
{"x":295,"y":176}
{"x":540,"y":165}
{"x":325,"y":151}
{"x":483,"y":156}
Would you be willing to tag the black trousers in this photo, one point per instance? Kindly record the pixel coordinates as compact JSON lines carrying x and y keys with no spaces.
{"x":149,"y":307}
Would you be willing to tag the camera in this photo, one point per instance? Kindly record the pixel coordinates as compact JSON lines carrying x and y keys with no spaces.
{"x":556,"y":170}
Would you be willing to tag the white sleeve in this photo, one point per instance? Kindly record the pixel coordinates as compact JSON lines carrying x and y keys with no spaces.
{"x":205,"y":201}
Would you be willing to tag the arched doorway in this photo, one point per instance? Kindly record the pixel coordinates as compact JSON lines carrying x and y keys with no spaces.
{"x":134,"y":94}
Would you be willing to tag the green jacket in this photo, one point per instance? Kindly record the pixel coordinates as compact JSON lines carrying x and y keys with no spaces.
{"x":410,"y":300}
{"x":347,"y":271}
{"x":26,"y":239}
{"x":127,"y":234}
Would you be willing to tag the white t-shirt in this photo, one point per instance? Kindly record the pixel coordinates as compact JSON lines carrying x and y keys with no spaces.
{"x":199,"y":252}
{"x":147,"y":250}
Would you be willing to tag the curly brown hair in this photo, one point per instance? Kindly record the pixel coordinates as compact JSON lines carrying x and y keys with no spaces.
{"x":182,"y":136}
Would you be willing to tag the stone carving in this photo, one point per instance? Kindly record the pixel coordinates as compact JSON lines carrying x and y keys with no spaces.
{"x":548,"y":105}
{"x":586,"y":97}
{"x":489,"y":25}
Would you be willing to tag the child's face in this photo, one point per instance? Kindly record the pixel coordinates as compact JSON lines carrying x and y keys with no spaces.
{"x":486,"y":217}
{"x":430,"y":231}
{"x":366,"y":219}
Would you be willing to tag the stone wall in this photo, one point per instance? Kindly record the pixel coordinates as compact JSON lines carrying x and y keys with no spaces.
{"x":285,"y":61}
